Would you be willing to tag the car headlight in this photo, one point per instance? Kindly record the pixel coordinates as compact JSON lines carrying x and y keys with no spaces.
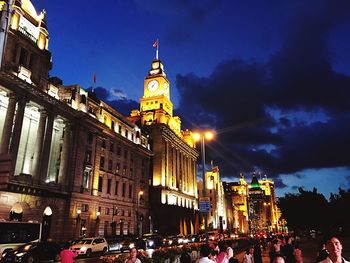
{"x":84,"y":248}
{"x":20,"y":254}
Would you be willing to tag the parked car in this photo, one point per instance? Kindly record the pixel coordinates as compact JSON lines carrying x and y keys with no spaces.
{"x":87,"y":246}
{"x":124,"y":243}
{"x":33,"y":252}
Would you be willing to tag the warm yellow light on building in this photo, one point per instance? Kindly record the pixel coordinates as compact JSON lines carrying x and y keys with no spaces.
{"x":2,"y":4}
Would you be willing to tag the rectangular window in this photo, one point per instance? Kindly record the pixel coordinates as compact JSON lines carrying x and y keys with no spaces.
{"x":126,"y":133}
{"x":85,"y":208}
{"x":125,"y":154}
{"x":102,"y":163}
{"x":111,"y":147}
{"x":88,"y":157}
{"x":117,"y":168}
{"x":123,"y":190}
{"x":109,"y":184}
{"x":130,"y":191}
{"x":86,"y":178}
{"x":124,"y":170}
{"x":107,"y":211}
{"x":120,"y":129}
{"x":116,"y":190}
{"x":100,"y":183}
{"x":110,"y":166}
{"x":112,"y":125}
{"x":119,"y":150}
{"x":103,"y":145}
{"x":90,"y":137}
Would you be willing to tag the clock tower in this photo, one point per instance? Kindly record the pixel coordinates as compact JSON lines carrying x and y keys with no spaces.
{"x":156,"y":95}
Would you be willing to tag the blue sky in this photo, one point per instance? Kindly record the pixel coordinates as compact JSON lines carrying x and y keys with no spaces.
{"x":271,"y":77}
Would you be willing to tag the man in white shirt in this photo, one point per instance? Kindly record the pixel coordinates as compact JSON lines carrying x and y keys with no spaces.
{"x":334,"y":248}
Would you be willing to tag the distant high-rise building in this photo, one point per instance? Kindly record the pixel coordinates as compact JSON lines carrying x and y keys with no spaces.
{"x":173,"y":186}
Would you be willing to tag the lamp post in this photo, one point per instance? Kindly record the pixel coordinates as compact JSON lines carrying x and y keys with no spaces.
{"x":203,"y":136}
{"x":138,"y":217}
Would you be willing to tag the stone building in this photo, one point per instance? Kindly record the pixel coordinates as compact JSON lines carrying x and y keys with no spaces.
{"x":173,"y":187}
{"x":67,"y":159}
{"x":215,"y":192}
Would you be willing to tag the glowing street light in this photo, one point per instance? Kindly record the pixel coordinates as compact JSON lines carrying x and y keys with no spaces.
{"x":202,"y":137}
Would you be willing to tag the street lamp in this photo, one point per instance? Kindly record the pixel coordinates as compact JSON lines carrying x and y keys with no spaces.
{"x":203,"y":136}
{"x":138,"y":221}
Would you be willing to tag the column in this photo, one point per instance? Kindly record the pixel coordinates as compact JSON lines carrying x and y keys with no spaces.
{"x":39,"y":145}
{"x":6,"y":134}
{"x":17,"y":130}
{"x":46,"y":148}
{"x":64,"y":155}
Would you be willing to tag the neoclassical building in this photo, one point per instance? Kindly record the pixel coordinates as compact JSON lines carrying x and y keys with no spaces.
{"x":173,"y":186}
{"x":67,"y":159}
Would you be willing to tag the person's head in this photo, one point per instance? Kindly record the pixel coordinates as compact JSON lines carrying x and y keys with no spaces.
{"x":185,"y":258}
{"x":205,"y":250}
{"x":279,"y":259}
{"x":333,"y":246}
{"x":212,"y":254}
{"x":133,"y":252}
{"x":222,"y":246}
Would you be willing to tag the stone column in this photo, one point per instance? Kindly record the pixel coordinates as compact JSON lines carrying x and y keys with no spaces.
{"x":17,"y":130}
{"x":62,"y":175}
{"x":46,"y":148}
{"x":6,"y":133}
{"x":39,"y":145}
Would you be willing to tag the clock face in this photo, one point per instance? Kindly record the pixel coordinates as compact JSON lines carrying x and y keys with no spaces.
{"x":153,"y":85}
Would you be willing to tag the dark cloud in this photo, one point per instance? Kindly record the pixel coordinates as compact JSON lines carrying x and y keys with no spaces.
{"x":122,"y":105}
{"x":235,"y":100}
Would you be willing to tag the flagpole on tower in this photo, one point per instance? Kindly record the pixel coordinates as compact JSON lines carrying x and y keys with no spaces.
{"x":156,"y":45}
{"x":94,"y":82}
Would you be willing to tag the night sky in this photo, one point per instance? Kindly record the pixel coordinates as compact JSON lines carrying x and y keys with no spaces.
{"x":272,"y":78}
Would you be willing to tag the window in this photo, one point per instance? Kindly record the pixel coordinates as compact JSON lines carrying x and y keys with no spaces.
{"x":109,"y":184}
{"x":86,"y":178}
{"x":117,"y":168}
{"x":102,"y":163}
{"x":130,"y":191}
{"x":131,"y":172}
{"x":100,"y":183}
{"x":110,"y":165}
{"x":107,"y":211}
{"x":119,"y":150}
{"x":111,"y":147}
{"x":116,"y":187}
{"x":124,"y":170}
{"x":123,"y":190}
{"x":88,"y":157}
{"x":125,"y":153}
{"x":132,"y":137}
{"x":120,"y":129}
{"x":90,"y":137}
{"x":103,"y":145}
{"x":126,"y":133}
{"x":85,"y":208}
{"x":23,"y":57}
{"x":112,"y":125}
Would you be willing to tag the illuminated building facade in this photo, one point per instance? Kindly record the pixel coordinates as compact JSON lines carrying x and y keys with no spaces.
{"x":252,"y":207}
{"x":67,"y":159}
{"x":262,"y":205}
{"x":236,"y":195}
{"x":173,"y":187}
{"x":214,"y":190}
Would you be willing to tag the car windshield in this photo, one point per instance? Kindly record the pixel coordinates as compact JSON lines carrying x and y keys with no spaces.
{"x":84,"y":241}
